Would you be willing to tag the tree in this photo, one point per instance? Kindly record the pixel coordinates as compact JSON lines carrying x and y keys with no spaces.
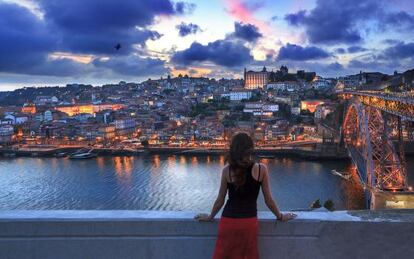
{"x":316,"y":204}
{"x":329,"y":205}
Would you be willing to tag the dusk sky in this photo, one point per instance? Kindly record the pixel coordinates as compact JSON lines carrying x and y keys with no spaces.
{"x":54,"y":42}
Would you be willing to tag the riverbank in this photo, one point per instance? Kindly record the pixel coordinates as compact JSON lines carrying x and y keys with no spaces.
{"x":299,"y":152}
{"x":308,"y":152}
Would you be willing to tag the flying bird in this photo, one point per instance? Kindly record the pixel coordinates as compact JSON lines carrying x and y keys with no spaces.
{"x":118,"y":46}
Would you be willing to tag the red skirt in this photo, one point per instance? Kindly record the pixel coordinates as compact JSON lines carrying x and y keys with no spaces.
{"x":237,"y":238}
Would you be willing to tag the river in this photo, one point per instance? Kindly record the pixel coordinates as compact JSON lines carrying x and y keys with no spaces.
{"x":163,"y":182}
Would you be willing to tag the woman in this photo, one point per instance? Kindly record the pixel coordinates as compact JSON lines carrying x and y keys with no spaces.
{"x":242,"y":178}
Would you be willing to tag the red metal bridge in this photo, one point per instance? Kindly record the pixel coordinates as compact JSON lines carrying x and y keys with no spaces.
{"x":373,"y":123}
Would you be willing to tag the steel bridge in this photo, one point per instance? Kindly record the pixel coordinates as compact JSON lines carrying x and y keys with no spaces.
{"x":373,"y":123}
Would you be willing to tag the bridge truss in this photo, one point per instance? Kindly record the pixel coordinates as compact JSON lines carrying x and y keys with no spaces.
{"x":373,"y":124}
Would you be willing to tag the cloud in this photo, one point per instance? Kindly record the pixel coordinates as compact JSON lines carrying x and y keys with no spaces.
{"x":187,"y":29}
{"x":296,"y":52}
{"x":96,"y":26}
{"x":133,"y":65}
{"x":248,"y":32}
{"x":26,"y":42}
{"x":399,"y":19}
{"x":220,"y":52}
{"x":340,"y":51}
{"x":344,"y":21}
{"x":335,"y":21}
{"x":400,"y":51}
{"x":355,"y":49}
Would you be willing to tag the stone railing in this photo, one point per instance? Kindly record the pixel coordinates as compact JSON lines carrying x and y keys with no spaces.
{"x":153,"y":234}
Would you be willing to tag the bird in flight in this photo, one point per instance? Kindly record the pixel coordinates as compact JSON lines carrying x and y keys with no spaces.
{"x":118,"y":46}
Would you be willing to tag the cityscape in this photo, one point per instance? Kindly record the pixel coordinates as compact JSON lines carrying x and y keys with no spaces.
{"x":278,"y":108}
{"x":206,"y":129}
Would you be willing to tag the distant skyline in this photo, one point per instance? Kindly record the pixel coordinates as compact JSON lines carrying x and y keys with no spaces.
{"x":55,"y":42}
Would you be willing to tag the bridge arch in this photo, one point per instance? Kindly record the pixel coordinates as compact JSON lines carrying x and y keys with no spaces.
{"x":367,"y":132}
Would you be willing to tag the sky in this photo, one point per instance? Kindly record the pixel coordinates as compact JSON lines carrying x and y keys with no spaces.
{"x":55,"y":42}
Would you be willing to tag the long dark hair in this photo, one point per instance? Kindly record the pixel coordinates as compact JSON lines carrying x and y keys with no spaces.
{"x":239,"y":157}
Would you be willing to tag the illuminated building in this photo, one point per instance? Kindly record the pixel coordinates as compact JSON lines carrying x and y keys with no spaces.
{"x":73,"y":110}
{"x":29,"y":108}
{"x":310,"y":105}
{"x":255,"y":80}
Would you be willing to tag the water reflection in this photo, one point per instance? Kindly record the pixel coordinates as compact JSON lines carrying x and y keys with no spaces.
{"x":166,"y":182}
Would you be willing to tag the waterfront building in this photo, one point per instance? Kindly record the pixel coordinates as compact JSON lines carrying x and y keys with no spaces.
{"x":6,"y":133}
{"x":255,"y":80}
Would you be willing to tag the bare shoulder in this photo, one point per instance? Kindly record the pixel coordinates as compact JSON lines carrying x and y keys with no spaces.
{"x":225,"y":171}
{"x":263,"y":167}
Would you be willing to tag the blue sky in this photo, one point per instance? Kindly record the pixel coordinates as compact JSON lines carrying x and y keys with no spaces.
{"x":54,"y":42}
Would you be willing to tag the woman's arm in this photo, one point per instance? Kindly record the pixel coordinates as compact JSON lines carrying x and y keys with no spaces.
{"x":219,"y":201}
{"x":270,"y":202}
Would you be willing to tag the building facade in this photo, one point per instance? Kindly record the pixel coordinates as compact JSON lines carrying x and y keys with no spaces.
{"x":255,"y":80}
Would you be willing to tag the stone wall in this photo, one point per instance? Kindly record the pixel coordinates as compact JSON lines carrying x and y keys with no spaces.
{"x":149,"y":234}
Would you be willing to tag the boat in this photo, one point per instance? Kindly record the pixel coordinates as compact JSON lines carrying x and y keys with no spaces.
{"x":83,"y":154}
{"x":265,"y":156}
{"x":344,"y":175}
{"x":61,"y":154}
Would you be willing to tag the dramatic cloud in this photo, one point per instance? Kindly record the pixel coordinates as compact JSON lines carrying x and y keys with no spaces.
{"x":133,"y":65}
{"x":248,"y":32}
{"x":342,"y":21}
{"x":400,"y":51}
{"x":399,"y":19}
{"x":221,"y":52}
{"x":355,"y":49}
{"x":187,"y":29}
{"x":96,"y":26}
{"x":25,"y":44}
{"x":296,"y":52}
{"x":335,"y":21}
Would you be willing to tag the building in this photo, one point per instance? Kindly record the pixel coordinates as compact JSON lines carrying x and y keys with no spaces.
{"x":238,"y":94}
{"x":48,"y":116}
{"x":255,"y":80}
{"x":310,"y":105}
{"x":6,"y":133}
{"x":261,"y":109}
{"x":29,"y":108}
{"x":289,"y":86}
{"x":73,"y":110}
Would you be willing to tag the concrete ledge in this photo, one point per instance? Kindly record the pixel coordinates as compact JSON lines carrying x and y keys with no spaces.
{"x":158,"y":234}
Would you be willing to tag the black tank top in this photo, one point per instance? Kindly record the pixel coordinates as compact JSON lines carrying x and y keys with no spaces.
{"x":242,"y":202}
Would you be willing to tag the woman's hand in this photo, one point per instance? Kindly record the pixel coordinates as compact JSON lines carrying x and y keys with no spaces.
{"x":203,"y":217}
{"x":287,"y":216}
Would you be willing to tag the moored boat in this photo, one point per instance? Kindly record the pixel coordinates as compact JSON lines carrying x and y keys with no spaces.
{"x":83,"y":154}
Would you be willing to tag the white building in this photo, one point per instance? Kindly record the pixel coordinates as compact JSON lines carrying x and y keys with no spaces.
{"x":17,"y":119}
{"x":125,"y":123}
{"x":238,"y":94}
{"x":290,"y":86}
{"x":6,"y":133}
{"x":48,"y":116}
